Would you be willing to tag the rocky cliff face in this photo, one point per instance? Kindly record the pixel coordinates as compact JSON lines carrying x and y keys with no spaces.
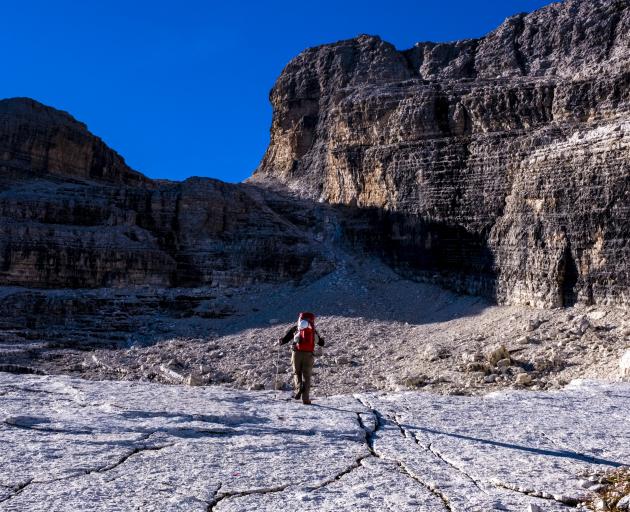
{"x":37,"y":140}
{"x":73,"y":214}
{"x":497,"y":165}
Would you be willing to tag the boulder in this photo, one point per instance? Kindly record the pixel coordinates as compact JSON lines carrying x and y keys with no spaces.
{"x":415,"y":381}
{"x":193,"y":380}
{"x":172,"y":372}
{"x":533,"y":324}
{"x":472,"y":357}
{"x":581,"y":325}
{"x":433,"y":352}
{"x":596,"y":315}
{"x":476,"y":367}
{"x":497,"y":353}
{"x":552,"y":361}
{"x":504,"y":363}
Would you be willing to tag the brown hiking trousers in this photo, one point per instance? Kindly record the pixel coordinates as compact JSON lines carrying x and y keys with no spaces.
{"x":302,"y":372}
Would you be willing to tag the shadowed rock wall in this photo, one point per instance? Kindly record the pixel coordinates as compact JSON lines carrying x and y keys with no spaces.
{"x":73,"y":214}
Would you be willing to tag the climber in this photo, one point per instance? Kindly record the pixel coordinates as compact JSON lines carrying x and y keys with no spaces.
{"x":304,"y":338}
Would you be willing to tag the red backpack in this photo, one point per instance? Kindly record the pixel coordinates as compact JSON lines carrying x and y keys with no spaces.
{"x":306,"y":336}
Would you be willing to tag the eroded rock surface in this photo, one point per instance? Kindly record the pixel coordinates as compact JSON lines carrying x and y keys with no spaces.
{"x":74,"y":215}
{"x":36,"y":140}
{"x":76,"y":445}
{"x":497,"y":165}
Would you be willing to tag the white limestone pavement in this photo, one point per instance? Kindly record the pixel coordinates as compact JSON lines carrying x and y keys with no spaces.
{"x":496,"y":452}
{"x":68,"y":445}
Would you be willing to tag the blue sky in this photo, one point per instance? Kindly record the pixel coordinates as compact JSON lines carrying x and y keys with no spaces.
{"x":180,"y":88}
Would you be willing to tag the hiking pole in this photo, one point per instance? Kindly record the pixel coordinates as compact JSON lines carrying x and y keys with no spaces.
{"x":275,"y":383}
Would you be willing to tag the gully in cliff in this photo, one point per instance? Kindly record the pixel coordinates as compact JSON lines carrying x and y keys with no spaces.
{"x":304,"y":338}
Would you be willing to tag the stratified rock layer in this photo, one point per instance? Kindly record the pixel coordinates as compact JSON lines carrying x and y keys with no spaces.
{"x":37,"y":140}
{"x":73,"y":214}
{"x":497,"y":165}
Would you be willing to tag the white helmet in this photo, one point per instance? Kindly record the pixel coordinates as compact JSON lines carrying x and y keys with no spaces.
{"x":303,"y":324}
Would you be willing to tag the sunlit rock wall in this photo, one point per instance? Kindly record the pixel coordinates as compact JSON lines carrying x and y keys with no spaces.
{"x":517,"y":143}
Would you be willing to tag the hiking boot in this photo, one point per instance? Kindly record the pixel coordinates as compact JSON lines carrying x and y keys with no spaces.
{"x":298,"y":394}
{"x":306,"y":402}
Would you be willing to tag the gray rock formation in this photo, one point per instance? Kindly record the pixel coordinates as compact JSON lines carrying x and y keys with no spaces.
{"x":37,"y":140}
{"x":73,"y":214}
{"x":497,"y":165}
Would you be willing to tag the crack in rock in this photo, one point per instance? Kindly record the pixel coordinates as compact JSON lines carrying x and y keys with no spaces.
{"x":338,"y":476}
{"x":370,"y":433}
{"x":411,"y":435}
{"x":237,"y":494}
{"x":380,"y":421}
{"x":357,"y":464}
{"x":102,"y":469}
{"x":565,"y":500}
{"x":17,"y":490}
{"x":124,"y":458}
{"x":433,"y":489}
{"x":212,"y":503}
{"x":456,"y":468}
